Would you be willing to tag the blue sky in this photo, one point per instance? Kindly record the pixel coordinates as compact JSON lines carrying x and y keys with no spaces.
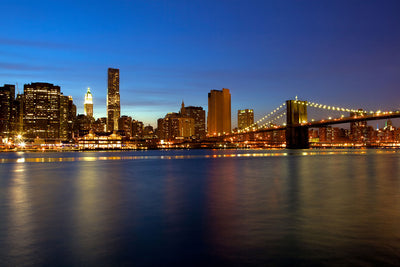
{"x":343,"y":53}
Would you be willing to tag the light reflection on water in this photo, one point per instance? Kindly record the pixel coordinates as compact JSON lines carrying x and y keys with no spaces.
{"x":52,"y":157}
{"x":201,"y":207}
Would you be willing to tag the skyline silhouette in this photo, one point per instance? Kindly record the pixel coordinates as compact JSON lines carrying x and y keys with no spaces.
{"x":339,"y":52}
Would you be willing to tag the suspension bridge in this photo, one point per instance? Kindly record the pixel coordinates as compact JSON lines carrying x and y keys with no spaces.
{"x":290,"y":122}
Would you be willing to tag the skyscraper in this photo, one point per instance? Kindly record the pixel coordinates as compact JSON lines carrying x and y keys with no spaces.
{"x":7,"y":97}
{"x":125,"y":126}
{"x":41,"y":116}
{"x":174,"y":125}
{"x":88,"y":104}
{"x":71,"y":116}
{"x":199,"y":116}
{"x":219,"y":112}
{"x":359,"y":129}
{"x":245,"y":118}
{"x":113,"y":100}
{"x":64,"y":113}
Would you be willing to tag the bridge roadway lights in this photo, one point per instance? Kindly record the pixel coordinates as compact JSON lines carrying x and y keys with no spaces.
{"x":297,"y":137}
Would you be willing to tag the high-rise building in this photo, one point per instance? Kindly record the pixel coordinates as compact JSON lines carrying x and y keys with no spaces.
{"x":219,"y":112}
{"x":41,"y":116}
{"x":199,"y":116}
{"x":100,"y":125}
{"x":148,"y":132}
{"x":88,"y":104}
{"x":174,"y":125}
{"x":113,"y":100}
{"x":137,"y":129}
{"x":83,"y":125}
{"x":71,"y":117}
{"x":125,"y":126}
{"x":7,"y":97}
{"x":18,"y":114}
{"x":359,"y":129}
{"x":64,"y":113}
{"x":245,"y":118}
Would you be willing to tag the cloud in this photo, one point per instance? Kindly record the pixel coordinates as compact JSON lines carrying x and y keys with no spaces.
{"x":28,"y":67}
{"x":36,"y":44}
{"x":22,"y":67}
{"x":148,"y":103}
{"x":149,"y":92}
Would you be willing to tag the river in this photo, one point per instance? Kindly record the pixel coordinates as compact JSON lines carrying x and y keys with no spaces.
{"x":201,"y":208}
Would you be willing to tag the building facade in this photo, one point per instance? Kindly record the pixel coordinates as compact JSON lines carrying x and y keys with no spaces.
{"x":219,"y":112}
{"x":113,"y":100}
{"x":7,"y":98}
{"x":358,"y":130}
{"x":88,"y":104}
{"x":125,"y":126}
{"x":137,"y":129}
{"x":100,"y":125}
{"x":47,"y":113}
{"x":174,"y":126}
{"x":199,"y":116}
{"x":41,"y":116}
{"x":245,"y":118}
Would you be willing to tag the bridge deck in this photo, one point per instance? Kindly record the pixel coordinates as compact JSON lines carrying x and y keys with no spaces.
{"x":322,"y":123}
{"x":380,"y":116}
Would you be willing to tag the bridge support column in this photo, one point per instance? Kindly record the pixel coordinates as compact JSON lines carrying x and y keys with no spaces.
{"x":296,"y":134}
{"x":297,"y":137}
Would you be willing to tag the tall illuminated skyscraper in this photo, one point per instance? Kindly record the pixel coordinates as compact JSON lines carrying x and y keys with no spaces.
{"x":219,"y":112}
{"x":88,"y":104}
{"x":113,"y":100}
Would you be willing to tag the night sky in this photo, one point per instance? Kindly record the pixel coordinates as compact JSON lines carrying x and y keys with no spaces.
{"x":343,"y":53}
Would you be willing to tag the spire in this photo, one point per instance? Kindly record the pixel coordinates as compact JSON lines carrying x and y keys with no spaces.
{"x":183,"y":108}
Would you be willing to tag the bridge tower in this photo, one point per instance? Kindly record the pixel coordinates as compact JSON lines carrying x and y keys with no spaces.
{"x":296,"y":134}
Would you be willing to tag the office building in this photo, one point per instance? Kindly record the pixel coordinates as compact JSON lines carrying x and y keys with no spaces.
{"x":18,"y":114}
{"x":199,"y":116}
{"x":245,"y":118}
{"x":100,"y":125}
{"x":7,"y":98}
{"x":64,"y":114}
{"x":359,"y":129}
{"x":71,"y":116}
{"x":137,"y":129}
{"x":88,"y":104}
{"x":125,"y":126}
{"x":175,"y":126}
{"x":113,"y":100}
{"x":219,"y":112}
{"x":41,"y":115}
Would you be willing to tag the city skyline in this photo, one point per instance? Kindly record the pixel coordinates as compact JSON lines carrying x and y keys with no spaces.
{"x":339,"y":52}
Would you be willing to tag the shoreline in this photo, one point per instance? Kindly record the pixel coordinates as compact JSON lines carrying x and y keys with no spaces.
{"x":61,"y":150}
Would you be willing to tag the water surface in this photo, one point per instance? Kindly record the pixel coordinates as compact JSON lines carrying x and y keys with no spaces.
{"x":201,"y":207}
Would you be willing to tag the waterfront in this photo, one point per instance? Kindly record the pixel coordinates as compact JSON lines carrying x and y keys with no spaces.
{"x":201,"y":207}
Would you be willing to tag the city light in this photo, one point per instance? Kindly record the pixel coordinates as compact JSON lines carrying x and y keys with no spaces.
{"x":94,"y":134}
